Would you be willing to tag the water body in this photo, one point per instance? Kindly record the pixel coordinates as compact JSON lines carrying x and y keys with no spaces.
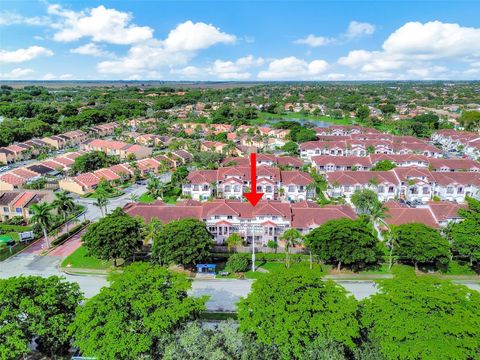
{"x":303,"y":121}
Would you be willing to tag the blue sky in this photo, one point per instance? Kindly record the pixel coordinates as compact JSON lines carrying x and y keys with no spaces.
{"x":240,"y":40}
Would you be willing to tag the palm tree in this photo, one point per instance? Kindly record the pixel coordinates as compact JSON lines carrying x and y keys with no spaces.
{"x":101,"y":203}
{"x":291,"y":237}
{"x":234,"y":240}
{"x":42,"y":215}
{"x":133,"y":197}
{"x":64,"y":205}
{"x":153,"y":187}
{"x":377,"y":216}
{"x":151,"y":229}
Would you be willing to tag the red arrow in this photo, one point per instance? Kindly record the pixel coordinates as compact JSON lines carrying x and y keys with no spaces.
{"x":253,"y":197}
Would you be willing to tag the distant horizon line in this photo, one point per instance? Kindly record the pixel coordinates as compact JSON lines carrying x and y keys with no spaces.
{"x":234,"y":81}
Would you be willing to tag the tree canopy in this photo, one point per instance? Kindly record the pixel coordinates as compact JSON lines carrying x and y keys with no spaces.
{"x":465,"y":235}
{"x":291,"y":309}
{"x":114,"y":236}
{"x":423,"y":318}
{"x":383,"y":165}
{"x":36,"y":309}
{"x":345,"y":241}
{"x":131,"y":318}
{"x":418,"y":243}
{"x":92,"y":161}
{"x":182,"y":242}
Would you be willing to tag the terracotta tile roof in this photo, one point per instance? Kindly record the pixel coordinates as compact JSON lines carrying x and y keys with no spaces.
{"x":304,"y":218}
{"x":296,"y":177}
{"x":463,"y":178}
{"x":12,"y":179}
{"x":24,"y":173}
{"x":456,"y":164}
{"x":324,"y":160}
{"x":106,"y":174}
{"x":445,"y":210}
{"x":23,"y":199}
{"x":15,"y":148}
{"x":361,"y":177}
{"x":121,"y":169}
{"x":405,"y":215}
{"x":87,"y":179}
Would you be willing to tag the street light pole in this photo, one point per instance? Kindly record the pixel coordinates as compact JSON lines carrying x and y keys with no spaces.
{"x":253,"y":252}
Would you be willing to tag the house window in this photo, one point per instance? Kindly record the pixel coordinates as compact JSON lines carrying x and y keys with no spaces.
{"x":381,"y":189}
{"x":449,"y":190}
{"x":217,"y":217}
{"x":291,"y":188}
{"x":5,"y":209}
{"x":460,"y":190}
{"x":229,"y":217}
{"x":425,"y":190}
{"x":227,"y":188}
{"x":237,"y":188}
{"x":357,"y":187}
{"x":346,"y":188}
{"x":195,"y":187}
{"x":268,"y":189}
{"x":391,"y":189}
{"x":18,"y":210}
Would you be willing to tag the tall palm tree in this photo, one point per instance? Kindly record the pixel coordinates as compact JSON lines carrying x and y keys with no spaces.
{"x":101,"y":203}
{"x":64,"y":205}
{"x":151,"y":229}
{"x":377,"y":216}
{"x":42,"y":215}
{"x":291,"y":237}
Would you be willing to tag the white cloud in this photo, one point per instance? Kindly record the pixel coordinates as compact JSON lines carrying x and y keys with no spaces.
{"x":90,"y":49}
{"x":12,"y":18}
{"x":293,"y":68}
{"x":18,"y":73}
{"x":180,"y":46}
{"x":314,"y":41}
{"x":22,"y":55}
{"x":414,"y":51}
{"x":357,"y":29}
{"x":99,"y":24}
{"x":221,"y":69}
{"x":433,"y":40}
{"x":49,"y":76}
{"x":190,"y":36}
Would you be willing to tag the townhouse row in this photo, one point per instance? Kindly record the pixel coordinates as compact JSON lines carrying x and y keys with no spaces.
{"x":87,"y":182}
{"x":327,"y":163}
{"x":232,"y":182}
{"x":407,"y":183}
{"x":269,"y":219}
{"x":31,"y":148}
{"x":452,"y":140}
{"x":17,"y":178}
{"x":364,"y":147}
{"x":117,"y":148}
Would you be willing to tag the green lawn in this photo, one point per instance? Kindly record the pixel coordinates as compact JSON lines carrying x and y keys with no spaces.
{"x":79,"y":259}
{"x":14,"y":228}
{"x":146,"y":198}
{"x":275,"y":266}
{"x":111,"y":195}
{"x":5,"y":252}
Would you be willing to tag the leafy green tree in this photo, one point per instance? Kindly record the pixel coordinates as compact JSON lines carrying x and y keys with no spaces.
{"x":92,"y":161}
{"x":418,"y":243}
{"x":384,"y":165}
{"x":114,"y":236}
{"x":39,"y":310}
{"x":423,"y":318}
{"x":365,"y":201}
{"x":363,"y":112}
{"x":237,"y":263}
{"x":465,"y":236}
{"x":291,"y":309}
{"x":291,"y":237}
{"x":234,"y":240}
{"x":42,"y":216}
{"x":272,"y":244}
{"x":131,"y":318}
{"x":470,"y":120}
{"x":184,"y":242}
{"x":154,"y":187}
{"x":345,"y":241}
{"x":290,"y":147}
{"x":179,"y":175}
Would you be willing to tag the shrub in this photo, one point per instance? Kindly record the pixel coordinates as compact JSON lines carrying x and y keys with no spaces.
{"x":237,"y":263}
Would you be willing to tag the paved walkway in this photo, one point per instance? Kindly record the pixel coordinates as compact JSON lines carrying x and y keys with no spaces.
{"x":69,"y":246}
